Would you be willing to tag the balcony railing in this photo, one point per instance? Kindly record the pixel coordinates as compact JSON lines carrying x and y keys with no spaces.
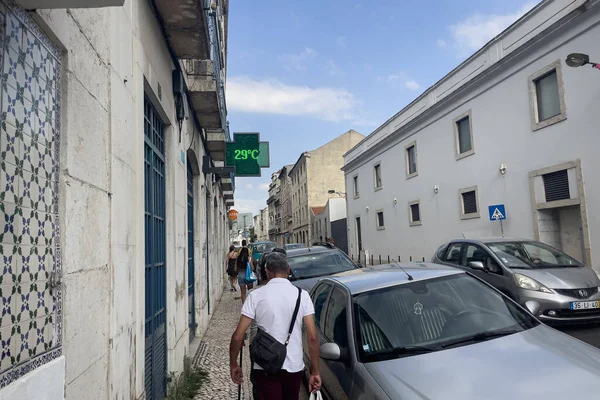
{"x":216,"y":57}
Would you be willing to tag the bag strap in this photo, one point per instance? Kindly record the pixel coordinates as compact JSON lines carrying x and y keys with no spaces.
{"x":294,"y":317}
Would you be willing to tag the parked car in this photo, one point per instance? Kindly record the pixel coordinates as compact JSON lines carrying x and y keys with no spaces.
{"x":431,"y":332}
{"x":290,"y":246}
{"x":308,"y":265}
{"x":557,"y":287}
{"x":257,"y":248}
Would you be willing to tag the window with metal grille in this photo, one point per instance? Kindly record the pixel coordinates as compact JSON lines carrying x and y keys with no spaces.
{"x":380,"y":222}
{"x":469,"y":200}
{"x":415,"y":213}
{"x":356,"y":192}
{"x":556,"y":185}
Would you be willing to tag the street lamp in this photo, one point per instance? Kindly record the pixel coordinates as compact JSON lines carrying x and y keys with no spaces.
{"x":341,"y":194}
{"x":579,"y":60}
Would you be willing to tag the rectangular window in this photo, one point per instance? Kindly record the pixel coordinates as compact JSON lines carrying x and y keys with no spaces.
{"x":414,"y":208}
{"x":546,"y":90}
{"x":377,"y":176}
{"x":463,"y":135}
{"x":380,"y":221}
{"x":556,"y":185}
{"x":411,"y":160}
{"x":469,"y":203}
{"x":355,"y":186}
{"x":547,"y":96}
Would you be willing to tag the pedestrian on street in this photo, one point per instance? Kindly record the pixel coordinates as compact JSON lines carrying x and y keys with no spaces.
{"x":274,"y":307}
{"x":230,"y":261}
{"x":331,"y":241}
{"x":244,"y":257}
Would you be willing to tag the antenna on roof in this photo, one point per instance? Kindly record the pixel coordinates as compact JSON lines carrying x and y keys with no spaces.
{"x":463,"y":235}
{"x":410,"y":278}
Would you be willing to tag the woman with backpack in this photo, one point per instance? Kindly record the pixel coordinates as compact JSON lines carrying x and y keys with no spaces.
{"x":244,"y":257}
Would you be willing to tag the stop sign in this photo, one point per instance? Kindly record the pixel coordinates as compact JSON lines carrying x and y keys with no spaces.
{"x":232,"y":214}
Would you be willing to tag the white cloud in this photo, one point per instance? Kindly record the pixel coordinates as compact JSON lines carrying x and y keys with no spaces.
{"x":392,"y":77}
{"x":441,"y":43}
{"x":249,"y":186}
{"x":474,"y":32}
{"x":332,"y":68}
{"x":341,"y":41}
{"x":249,"y":206}
{"x":273,"y":97}
{"x":264,"y":186}
{"x":412,"y":85}
{"x":298,"y":61}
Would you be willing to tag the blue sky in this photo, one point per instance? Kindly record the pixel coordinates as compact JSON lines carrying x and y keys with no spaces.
{"x":302,"y":72}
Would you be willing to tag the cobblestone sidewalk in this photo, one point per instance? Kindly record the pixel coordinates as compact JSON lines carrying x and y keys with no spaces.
{"x":213,"y":353}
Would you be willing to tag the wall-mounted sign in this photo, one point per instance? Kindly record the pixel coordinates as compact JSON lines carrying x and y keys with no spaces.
{"x":232,"y":214}
{"x":247,"y":154}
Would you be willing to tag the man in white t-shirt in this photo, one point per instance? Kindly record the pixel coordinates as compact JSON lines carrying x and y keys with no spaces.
{"x":272,"y":307}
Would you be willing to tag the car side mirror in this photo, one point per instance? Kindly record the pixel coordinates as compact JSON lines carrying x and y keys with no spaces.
{"x":477,"y":265}
{"x":360,"y":265}
{"x":330,"y":351}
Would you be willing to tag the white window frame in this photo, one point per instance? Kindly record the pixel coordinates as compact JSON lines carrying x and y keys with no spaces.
{"x":462,"y":206}
{"x":411,"y":222}
{"x":409,"y":175}
{"x":455,"y":121}
{"x":536,"y":124}
{"x":355,"y":190}
{"x":377,"y":188}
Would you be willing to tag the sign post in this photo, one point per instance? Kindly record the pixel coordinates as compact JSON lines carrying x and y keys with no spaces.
{"x":498,"y":213}
{"x":247,"y":154}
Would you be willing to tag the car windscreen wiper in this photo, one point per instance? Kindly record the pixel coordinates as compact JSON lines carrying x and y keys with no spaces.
{"x":402,"y":350}
{"x":482,"y":336}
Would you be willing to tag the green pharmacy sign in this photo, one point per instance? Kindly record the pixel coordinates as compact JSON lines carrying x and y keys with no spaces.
{"x":247,"y":154}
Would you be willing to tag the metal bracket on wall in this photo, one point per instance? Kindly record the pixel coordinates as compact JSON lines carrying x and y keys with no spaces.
{"x":221,"y":171}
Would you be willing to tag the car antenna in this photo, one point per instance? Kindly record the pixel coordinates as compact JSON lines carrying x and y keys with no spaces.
{"x":463,"y":234}
{"x":410,"y":278}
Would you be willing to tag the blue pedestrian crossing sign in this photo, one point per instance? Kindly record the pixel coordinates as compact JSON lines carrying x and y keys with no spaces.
{"x":497,"y":212}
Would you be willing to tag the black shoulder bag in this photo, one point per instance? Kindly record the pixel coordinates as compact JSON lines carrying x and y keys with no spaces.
{"x":268,"y":352}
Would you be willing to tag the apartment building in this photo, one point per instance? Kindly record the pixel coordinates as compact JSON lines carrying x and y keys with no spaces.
{"x":329,"y":222}
{"x":261,"y":225}
{"x":513,"y":125}
{"x":313,"y":175}
{"x":286,"y":221}
{"x":274,"y":207}
{"x":113,"y":200}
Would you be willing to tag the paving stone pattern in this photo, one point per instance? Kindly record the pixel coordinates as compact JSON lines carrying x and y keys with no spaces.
{"x":213,"y":353}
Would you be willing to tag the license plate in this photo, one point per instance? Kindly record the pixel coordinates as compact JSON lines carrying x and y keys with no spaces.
{"x":584,"y":305}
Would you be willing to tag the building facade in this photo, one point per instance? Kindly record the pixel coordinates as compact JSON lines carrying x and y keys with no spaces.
{"x":513,"y":125}
{"x":286,"y":221}
{"x":274,"y":209}
{"x":316,"y":173}
{"x":114,"y":207}
{"x":261,"y":225}
{"x":330,"y":222}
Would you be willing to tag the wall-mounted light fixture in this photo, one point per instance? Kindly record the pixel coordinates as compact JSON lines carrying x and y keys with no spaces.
{"x":395,"y":200}
{"x":502,"y":169}
{"x":436,"y":189}
{"x":367,"y":208}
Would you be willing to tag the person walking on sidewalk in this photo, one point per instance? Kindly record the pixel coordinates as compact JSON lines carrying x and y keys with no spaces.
{"x":244,"y":257}
{"x":273,"y":307}
{"x":230,"y":261}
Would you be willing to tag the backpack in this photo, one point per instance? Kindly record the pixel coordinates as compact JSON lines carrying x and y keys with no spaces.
{"x":243,"y":258}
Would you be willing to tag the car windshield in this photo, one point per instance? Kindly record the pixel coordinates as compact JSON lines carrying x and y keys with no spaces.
{"x":294,"y":246}
{"x":432,"y":315}
{"x":312,"y":265}
{"x":262,"y":247}
{"x":531,"y":255}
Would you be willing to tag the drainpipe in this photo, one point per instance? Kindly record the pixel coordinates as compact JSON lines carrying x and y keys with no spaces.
{"x":207,"y":261}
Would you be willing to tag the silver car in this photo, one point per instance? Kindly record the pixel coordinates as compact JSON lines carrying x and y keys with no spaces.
{"x":556,"y":287}
{"x":430,"y":332}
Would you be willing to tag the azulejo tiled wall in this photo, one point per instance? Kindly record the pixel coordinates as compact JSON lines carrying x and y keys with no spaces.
{"x":30,"y":292}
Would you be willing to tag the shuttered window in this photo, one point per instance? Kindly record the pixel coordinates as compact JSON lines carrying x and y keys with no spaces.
{"x":556,"y":185}
{"x":415,"y":213}
{"x":469,"y":202}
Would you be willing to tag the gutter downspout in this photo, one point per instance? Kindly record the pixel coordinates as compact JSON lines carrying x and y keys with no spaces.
{"x":207,"y":247}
